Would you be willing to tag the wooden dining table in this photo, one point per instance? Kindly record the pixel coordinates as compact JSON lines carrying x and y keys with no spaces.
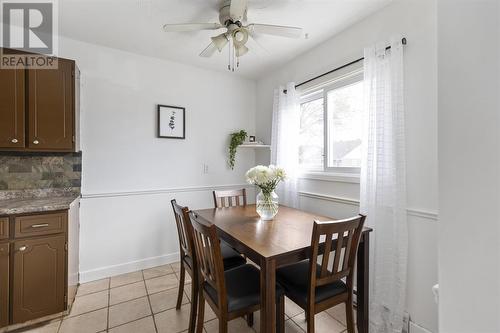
{"x":282,"y":241}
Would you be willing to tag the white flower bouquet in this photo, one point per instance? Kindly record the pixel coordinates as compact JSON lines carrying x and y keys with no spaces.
{"x":267,"y":179}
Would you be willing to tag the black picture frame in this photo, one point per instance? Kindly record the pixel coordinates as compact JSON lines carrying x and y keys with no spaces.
{"x":161,"y":129}
{"x":251,"y":138}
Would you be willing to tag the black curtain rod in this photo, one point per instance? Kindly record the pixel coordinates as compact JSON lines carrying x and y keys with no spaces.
{"x":403,"y":41}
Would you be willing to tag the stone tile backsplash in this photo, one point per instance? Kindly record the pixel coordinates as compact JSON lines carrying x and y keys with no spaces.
{"x":40,"y":171}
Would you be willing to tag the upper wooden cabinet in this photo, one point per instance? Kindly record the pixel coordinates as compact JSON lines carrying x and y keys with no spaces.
{"x":39,"y":108}
{"x":51,"y":107}
{"x":12,"y":99}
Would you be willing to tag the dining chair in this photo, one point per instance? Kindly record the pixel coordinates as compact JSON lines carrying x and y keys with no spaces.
{"x":230,"y":198}
{"x":188,"y":260}
{"x":316,"y":285}
{"x":232,"y":293}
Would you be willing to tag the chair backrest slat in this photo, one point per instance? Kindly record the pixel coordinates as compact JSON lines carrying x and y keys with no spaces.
{"x":338,"y":252}
{"x":341,"y":237}
{"x":184,"y":229}
{"x":208,"y":253}
{"x":230,"y":198}
{"x":326,"y":255}
{"x":348,"y":250}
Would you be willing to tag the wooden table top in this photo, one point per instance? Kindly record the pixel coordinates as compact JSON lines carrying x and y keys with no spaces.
{"x":290,"y":231}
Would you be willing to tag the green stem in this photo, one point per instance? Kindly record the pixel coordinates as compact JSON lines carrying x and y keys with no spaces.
{"x":267,"y":202}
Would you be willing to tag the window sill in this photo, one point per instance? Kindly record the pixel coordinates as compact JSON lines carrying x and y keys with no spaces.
{"x":352,"y":178}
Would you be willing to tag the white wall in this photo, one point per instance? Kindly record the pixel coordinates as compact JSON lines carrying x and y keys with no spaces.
{"x":416,"y":20}
{"x":469,"y":179}
{"x":122,"y":228}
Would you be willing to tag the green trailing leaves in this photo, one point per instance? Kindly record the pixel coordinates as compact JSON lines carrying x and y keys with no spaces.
{"x":237,"y":139}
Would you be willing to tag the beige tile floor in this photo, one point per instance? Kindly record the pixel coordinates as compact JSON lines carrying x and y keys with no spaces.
{"x":144,"y":302}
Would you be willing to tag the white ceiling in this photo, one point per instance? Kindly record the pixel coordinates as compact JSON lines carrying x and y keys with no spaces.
{"x":136,"y":26}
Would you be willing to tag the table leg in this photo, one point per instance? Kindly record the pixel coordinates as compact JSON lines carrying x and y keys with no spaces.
{"x":362,"y":296}
{"x":267,"y":295}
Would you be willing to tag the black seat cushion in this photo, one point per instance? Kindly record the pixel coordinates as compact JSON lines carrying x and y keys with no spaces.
{"x":295,"y":279}
{"x":230,"y":256}
{"x":242,"y":288}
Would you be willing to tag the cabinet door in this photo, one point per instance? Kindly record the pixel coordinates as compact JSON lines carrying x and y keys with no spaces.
{"x":38,"y":278}
{"x":12,"y":108}
{"x":51,"y":107}
{"x":4,"y":228}
{"x":4,"y":284}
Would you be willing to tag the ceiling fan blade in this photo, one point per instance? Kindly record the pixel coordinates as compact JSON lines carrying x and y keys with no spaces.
{"x":238,"y":9}
{"x":256,"y":46}
{"x":209,"y":51}
{"x":277,"y":30}
{"x":191,"y":27}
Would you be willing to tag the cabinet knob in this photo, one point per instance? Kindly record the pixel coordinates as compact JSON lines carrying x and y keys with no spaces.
{"x":14,"y":141}
{"x":22,"y":248}
{"x":36,"y":142}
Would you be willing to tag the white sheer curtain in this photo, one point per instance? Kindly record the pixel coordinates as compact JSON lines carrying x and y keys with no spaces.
{"x":284,"y":141}
{"x":383,"y":186}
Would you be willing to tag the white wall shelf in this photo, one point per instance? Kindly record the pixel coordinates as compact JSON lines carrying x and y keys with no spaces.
{"x":254,"y":146}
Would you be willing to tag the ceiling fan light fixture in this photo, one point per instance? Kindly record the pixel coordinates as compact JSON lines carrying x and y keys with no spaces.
{"x":241,"y":50}
{"x":220,"y":41}
{"x":240,"y":36}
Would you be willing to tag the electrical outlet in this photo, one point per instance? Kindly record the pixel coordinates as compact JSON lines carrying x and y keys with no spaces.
{"x":205,"y":168}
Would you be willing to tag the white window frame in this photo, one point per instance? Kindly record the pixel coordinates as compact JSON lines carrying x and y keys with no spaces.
{"x":309,"y":97}
{"x":351,"y":174}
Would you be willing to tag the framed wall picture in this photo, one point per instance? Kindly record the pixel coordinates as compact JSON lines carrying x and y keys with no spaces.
{"x":171,"y":122}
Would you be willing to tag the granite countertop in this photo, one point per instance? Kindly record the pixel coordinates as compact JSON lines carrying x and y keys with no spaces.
{"x":37,"y":204}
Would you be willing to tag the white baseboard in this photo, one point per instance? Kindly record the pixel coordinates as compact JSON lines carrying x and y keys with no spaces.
{"x":132,"y":266}
{"x":414,"y":328}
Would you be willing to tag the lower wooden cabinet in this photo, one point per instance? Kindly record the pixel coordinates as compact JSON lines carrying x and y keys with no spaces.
{"x":38,"y":287}
{"x":38,"y":269}
{"x":4,"y":284}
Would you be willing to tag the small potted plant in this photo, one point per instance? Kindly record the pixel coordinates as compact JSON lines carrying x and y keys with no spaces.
{"x":237,"y":139}
{"x":267,"y":179}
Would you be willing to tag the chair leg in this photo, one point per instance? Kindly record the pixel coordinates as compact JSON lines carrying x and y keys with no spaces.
{"x":310,"y":321}
{"x":222,"y":325}
{"x":349,"y":315}
{"x":201,"y":311}
{"x":280,"y":314}
{"x":194,"y":306}
{"x":181,"y":286}
{"x":250,"y":319}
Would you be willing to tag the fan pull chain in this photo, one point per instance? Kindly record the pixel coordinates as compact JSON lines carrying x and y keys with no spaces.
{"x":229,"y":57}
{"x":232,"y":59}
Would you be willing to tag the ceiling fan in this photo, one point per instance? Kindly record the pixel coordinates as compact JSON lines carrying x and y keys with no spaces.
{"x":233,"y":18}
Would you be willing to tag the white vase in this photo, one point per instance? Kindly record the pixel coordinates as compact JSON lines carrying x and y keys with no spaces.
{"x":267,"y":205}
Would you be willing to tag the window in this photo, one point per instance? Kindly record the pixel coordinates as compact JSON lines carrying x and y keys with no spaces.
{"x":311,"y":136}
{"x":331,"y":126}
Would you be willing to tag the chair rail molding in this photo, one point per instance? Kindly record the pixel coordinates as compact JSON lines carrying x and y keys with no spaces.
{"x":355,"y":202}
{"x":164,"y":190}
